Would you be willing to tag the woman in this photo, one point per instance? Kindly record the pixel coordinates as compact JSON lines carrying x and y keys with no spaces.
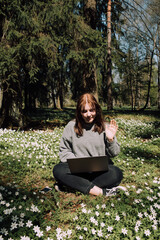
{"x":89,"y":135}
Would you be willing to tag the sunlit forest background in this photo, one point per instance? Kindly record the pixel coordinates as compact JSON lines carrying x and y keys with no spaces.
{"x":52,"y":51}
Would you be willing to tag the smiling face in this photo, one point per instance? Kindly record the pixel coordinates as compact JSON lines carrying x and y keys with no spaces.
{"x":88,"y":113}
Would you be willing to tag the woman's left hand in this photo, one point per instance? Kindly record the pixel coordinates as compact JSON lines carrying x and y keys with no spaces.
{"x":111,"y":130}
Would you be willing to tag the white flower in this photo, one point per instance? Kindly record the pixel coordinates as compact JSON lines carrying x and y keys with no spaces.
{"x":4,"y":231}
{"x":58,"y":230}
{"x":75,"y":218}
{"x":93,"y":220}
{"x":145,"y":214}
{"x":29,"y":224}
{"x":102,"y":224}
{"x":124,"y":214}
{"x":25,"y":238}
{"x":24,"y":197}
{"x":107,"y":213}
{"x":140,"y":215}
{"x":124,"y":231}
{"x":78,"y":227}
{"x":109,"y":228}
{"x":48,"y":228}
{"x":138,"y":223}
{"x":139,"y":191}
{"x":21,"y":224}
{"x":154,"y":227}
{"x":69,"y":232}
{"x":84,"y":210}
{"x":136,"y":228}
{"x":107,"y":236}
{"x":8,"y":211}
{"x":14,"y":218}
{"x":34,"y":208}
{"x":117,"y":218}
{"x":36,"y":229}
{"x":83,"y":205}
{"x":103,"y":206}
{"x":99,"y":233}
{"x":147,"y":232}
{"x":138,"y":238}
{"x":39,"y":234}
{"x":14,"y":225}
{"x":97,"y":213}
{"x":22,"y":215}
{"x":93,"y":231}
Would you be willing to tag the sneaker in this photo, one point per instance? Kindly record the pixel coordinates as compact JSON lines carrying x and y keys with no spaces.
{"x":58,"y":187}
{"x":108,"y":192}
{"x":121,"y":187}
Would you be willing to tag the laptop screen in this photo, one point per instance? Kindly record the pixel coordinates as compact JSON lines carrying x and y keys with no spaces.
{"x":88,"y":164}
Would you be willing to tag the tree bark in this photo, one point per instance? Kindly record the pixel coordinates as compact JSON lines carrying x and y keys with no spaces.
{"x":109,"y":60}
{"x":90,"y":72}
{"x":11,"y":110}
{"x":159,"y":67}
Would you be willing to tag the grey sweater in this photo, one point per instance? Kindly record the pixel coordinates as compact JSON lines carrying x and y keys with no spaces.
{"x":90,"y":144}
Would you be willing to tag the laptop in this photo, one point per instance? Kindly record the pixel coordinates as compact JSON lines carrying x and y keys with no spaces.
{"x":88,"y":164}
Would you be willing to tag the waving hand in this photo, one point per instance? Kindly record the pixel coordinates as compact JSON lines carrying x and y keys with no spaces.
{"x":111,"y":130}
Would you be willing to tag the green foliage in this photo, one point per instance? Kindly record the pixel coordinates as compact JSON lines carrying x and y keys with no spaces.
{"x":50,"y":48}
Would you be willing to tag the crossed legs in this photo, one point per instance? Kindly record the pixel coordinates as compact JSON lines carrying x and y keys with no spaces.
{"x":88,"y":183}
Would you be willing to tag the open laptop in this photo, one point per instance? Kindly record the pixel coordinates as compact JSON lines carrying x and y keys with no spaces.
{"x":88,"y":164}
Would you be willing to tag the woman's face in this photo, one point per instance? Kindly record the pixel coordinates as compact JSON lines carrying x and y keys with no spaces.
{"x":88,"y":113}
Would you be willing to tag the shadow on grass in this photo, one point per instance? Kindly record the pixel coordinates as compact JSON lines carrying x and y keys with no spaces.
{"x":49,"y":118}
{"x":150,"y":155}
{"x":24,"y":209}
{"x":42,"y":118}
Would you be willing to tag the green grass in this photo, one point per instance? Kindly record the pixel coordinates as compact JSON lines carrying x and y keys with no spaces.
{"x":26,"y":162}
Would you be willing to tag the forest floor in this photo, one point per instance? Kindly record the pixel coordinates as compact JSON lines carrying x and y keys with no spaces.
{"x":27,"y":159}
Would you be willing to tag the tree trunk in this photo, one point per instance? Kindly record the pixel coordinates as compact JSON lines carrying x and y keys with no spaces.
{"x":90,"y":83}
{"x":90,"y":72}
{"x":137,"y":80}
{"x":53,"y":96}
{"x":109,"y":60}
{"x":159,"y":69}
{"x":11,"y":110}
{"x":150,"y":68}
{"x":159,"y":82}
{"x":150,"y":65}
{"x":60,"y":89}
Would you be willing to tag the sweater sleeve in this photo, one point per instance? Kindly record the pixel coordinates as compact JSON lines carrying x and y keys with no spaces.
{"x":65,"y":150}
{"x":112,"y":148}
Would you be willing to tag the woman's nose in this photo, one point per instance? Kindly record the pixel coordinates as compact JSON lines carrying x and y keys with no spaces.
{"x":88,"y":113}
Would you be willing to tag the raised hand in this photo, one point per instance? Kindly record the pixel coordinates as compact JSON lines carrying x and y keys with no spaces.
{"x":111,"y":130}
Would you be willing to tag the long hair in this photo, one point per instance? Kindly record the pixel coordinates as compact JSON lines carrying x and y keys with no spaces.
{"x":98,"y":121}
